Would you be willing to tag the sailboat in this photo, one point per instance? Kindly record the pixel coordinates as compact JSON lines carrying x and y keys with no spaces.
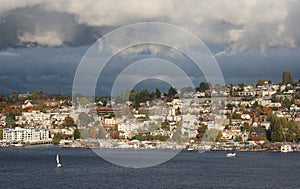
{"x":58,"y":164}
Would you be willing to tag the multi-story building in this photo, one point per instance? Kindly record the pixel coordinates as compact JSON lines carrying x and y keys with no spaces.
{"x":27,"y":135}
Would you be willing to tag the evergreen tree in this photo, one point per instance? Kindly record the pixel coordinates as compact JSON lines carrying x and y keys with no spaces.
{"x":287,"y":78}
{"x":172,"y":92}
{"x":76,"y":134}
{"x":157,"y":93}
{"x":203,"y":87}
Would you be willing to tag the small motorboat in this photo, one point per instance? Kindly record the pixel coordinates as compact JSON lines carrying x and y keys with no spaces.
{"x":231,"y":155}
{"x":286,"y":148}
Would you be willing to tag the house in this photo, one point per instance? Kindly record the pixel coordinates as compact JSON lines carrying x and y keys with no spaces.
{"x":246,"y":93}
{"x":29,"y":104}
{"x":258,"y":135}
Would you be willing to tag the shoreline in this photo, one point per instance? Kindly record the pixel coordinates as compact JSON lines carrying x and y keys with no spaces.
{"x":116,"y":148}
{"x":158,"y":145}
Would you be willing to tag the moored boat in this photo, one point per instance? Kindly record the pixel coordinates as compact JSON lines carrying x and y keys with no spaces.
{"x":231,"y":155}
{"x":286,"y":148}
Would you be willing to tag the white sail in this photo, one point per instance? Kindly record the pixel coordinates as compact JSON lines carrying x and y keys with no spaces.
{"x":57,"y":159}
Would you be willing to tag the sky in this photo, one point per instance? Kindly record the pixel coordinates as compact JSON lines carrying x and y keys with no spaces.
{"x":42,"y":42}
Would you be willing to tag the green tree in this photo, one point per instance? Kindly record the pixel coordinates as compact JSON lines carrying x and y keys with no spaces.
{"x":246,"y":127}
{"x":219,"y":136}
{"x":84,"y":118}
{"x":123,"y":97}
{"x":275,"y":135}
{"x":261,"y":82}
{"x":172,"y":92}
{"x":211,"y":135}
{"x":10,"y":120}
{"x":101,"y":133}
{"x":286,"y":103}
{"x":92,"y":132}
{"x":39,"y":95}
{"x":57,"y":138}
{"x":236,"y":116}
{"x":69,"y":122}
{"x":201,"y":130}
{"x":157,"y":93}
{"x":165,"y":126}
{"x":255,"y":105}
{"x":287,"y":78}
{"x":241,"y":86}
{"x":231,"y":93}
{"x":161,"y":138}
{"x":203,"y":86}
{"x":144,"y":95}
{"x":76,"y":134}
{"x":83,"y":101}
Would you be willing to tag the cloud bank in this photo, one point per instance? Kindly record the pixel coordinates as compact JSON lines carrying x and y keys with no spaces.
{"x":239,"y":25}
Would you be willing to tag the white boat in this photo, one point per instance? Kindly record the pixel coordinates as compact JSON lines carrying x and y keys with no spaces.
{"x":231,"y":155}
{"x":58,"y":164}
{"x":18,"y":145}
{"x":286,"y":148}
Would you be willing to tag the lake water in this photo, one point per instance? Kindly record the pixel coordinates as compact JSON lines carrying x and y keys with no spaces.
{"x":35,"y":167}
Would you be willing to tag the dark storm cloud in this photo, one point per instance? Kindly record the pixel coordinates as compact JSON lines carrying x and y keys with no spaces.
{"x":32,"y":26}
{"x":250,"y":66}
{"x":42,"y":42}
{"x":47,"y":69}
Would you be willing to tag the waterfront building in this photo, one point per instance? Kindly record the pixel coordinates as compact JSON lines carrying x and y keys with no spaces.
{"x":26,"y":135}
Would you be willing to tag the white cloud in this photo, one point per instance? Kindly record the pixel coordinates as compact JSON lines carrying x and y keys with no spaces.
{"x":261,"y":24}
{"x":50,"y":38}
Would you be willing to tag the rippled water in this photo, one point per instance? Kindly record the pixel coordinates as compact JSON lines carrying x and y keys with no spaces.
{"x":35,"y":167}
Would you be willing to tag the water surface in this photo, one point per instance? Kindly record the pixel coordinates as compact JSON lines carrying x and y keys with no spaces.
{"x":35,"y":167}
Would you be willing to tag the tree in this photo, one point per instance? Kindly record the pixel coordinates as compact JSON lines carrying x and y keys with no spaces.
{"x":286,"y":103}
{"x":231,"y":90}
{"x":84,"y":118}
{"x":261,"y":82}
{"x":201,"y":131}
{"x":287,"y":78}
{"x":283,"y":129}
{"x":203,"y":86}
{"x":211,"y":135}
{"x":39,"y":95}
{"x":255,"y":105}
{"x":92,"y":132}
{"x":57,"y":138}
{"x":187,"y":89}
{"x":157,"y":93}
{"x":1,"y":134}
{"x":219,"y":137}
{"x":241,"y":86}
{"x":76,"y":134}
{"x":144,"y":95}
{"x":123,"y":97}
{"x":165,"y":126}
{"x":83,"y":101}
{"x":69,"y":122}
{"x":10,"y":120}
{"x":246,"y":127}
{"x":172,"y":92}
{"x":101,"y":133}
